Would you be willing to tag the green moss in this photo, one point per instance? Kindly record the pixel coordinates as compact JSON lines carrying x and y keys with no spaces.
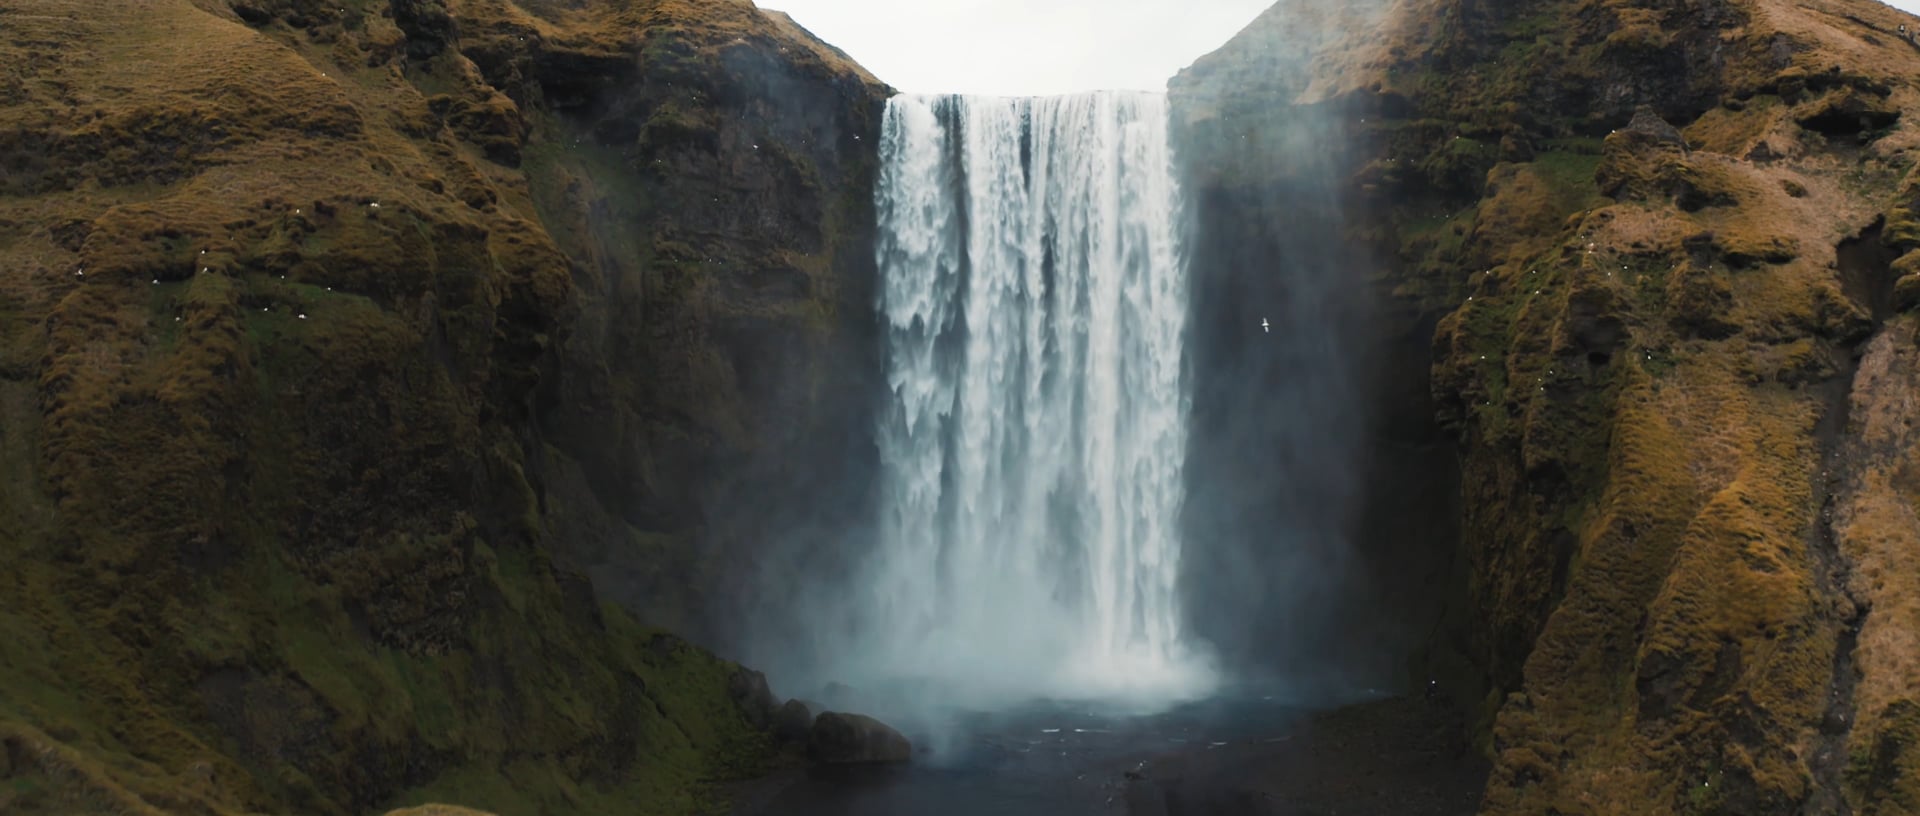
{"x":687,"y":729}
{"x":31,"y":672}
{"x":1577,"y":145}
{"x":1461,"y":163}
{"x":1657,"y":362}
{"x":1570,"y":174}
{"x":1648,"y":278}
{"x":1707,"y":795}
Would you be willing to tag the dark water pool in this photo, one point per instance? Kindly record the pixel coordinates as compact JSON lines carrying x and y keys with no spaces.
{"x":1046,"y":758}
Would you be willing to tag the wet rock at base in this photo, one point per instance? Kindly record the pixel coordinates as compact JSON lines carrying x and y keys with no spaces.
{"x":793,"y":722}
{"x":749,"y":689}
{"x":855,"y":739}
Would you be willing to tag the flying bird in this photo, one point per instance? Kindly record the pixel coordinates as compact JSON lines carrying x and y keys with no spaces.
{"x":1264,"y":327}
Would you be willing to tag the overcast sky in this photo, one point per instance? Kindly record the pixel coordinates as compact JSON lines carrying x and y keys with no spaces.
{"x":1030,"y":47}
{"x":1024,"y":47}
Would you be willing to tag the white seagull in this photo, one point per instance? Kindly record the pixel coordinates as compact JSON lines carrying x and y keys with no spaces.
{"x":1264,"y":327}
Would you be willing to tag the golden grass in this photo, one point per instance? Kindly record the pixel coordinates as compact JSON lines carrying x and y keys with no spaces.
{"x":1878,"y":523}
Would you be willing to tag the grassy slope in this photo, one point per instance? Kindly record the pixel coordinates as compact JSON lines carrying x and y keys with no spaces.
{"x":1645,"y":353}
{"x":268,"y":326}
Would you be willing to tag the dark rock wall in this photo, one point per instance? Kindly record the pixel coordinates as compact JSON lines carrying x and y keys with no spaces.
{"x":710,"y":412}
{"x":1321,"y":509}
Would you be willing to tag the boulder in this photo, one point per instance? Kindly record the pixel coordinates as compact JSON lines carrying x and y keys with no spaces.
{"x":855,"y":739}
{"x":793,"y":721}
{"x":749,"y":690}
{"x":1648,"y":124}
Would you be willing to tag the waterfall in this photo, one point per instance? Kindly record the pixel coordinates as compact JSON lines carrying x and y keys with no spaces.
{"x":1034,"y":299}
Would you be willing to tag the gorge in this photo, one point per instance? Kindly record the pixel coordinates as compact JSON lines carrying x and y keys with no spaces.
{"x":415,"y":401}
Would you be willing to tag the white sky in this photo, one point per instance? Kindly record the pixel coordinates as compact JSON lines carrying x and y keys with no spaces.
{"x":1024,"y":47}
{"x":1031,"y":47}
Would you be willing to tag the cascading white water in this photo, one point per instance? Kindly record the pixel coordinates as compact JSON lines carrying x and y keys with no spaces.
{"x":1035,"y":301}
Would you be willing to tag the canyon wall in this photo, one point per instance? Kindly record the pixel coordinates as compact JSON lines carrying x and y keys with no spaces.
{"x":354,"y":355}
{"x":1323,"y":505}
{"x":1667,"y":249}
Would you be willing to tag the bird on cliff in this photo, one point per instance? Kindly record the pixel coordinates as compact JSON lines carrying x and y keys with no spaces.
{"x":1264,"y":327}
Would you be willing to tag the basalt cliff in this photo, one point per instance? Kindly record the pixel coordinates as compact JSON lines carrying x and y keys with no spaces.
{"x":1653,"y":266}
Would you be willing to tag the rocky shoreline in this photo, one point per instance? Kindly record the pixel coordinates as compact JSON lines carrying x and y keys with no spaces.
{"x":824,"y":736}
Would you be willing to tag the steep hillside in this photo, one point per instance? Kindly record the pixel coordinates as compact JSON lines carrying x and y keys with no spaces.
{"x":325,"y":328}
{"x":1667,"y":252}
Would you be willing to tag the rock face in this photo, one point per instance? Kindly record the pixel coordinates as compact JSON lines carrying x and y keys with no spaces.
{"x":712,"y":185}
{"x":793,"y":721}
{"x":328,"y":329}
{"x":749,"y":690}
{"x":849,"y":739}
{"x":1321,"y":432}
{"x":1673,"y":369}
